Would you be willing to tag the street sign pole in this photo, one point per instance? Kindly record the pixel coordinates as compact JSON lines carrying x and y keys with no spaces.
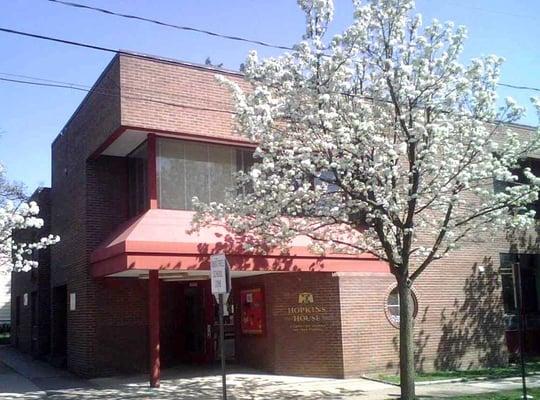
{"x":520,"y":309}
{"x":220,"y":279}
{"x":222,"y":347}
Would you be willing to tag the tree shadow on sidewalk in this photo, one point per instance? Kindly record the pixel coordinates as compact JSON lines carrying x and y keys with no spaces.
{"x":240,"y":387}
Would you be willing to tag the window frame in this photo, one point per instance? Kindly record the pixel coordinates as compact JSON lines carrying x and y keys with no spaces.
{"x":393,"y":318}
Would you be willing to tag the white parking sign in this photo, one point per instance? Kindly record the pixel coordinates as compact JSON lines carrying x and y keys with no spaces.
{"x":219,"y":274}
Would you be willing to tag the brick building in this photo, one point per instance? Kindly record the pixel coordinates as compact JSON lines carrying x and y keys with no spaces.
{"x":129,"y":288}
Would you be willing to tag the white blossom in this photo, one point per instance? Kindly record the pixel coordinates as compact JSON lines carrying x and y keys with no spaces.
{"x":377,"y":140}
{"x":15,"y":222}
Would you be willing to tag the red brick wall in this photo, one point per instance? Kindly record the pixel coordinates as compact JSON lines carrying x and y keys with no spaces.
{"x":178,"y":84}
{"x":459,"y":323}
{"x":458,"y":308}
{"x":290,"y":345}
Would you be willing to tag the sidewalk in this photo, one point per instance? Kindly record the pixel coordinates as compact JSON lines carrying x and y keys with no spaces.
{"x":27,"y":378}
{"x":14,"y":385}
{"x":24,"y":378}
{"x":449,"y":390}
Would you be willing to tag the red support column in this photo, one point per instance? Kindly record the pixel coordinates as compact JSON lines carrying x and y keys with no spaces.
{"x":152,"y":170}
{"x":153,"y":326}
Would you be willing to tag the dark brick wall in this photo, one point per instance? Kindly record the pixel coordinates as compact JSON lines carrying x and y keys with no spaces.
{"x":21,"y":328}
{"x":72,"y":195}
{"x":122,"y":326}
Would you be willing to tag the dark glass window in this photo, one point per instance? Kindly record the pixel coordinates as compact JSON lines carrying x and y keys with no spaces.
{"x":529,"y":266}
{"x":534,"y":165}
{"x":507,"y":283}
{"x":188,"y":169}
{"x":138,"y":180}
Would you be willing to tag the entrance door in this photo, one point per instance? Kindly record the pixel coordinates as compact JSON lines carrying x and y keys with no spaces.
{"x":198,"y":308}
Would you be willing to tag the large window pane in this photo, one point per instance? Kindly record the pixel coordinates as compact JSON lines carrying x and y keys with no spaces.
{"x":197,"y":172}
{"x":171,"y":174}
{"x":222,"y":166}
{"x":187,"y":169}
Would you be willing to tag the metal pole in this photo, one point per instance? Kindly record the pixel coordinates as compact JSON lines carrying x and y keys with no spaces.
{"x":222,"y":348}
{"x":521,"y":327}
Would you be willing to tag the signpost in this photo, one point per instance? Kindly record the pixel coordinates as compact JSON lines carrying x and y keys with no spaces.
{"x":521,"y":322}
{"x":220,"y":279}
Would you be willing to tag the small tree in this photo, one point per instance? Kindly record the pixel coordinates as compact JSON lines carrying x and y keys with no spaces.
{"x":17,"y":215}
{"x":378,"y":141}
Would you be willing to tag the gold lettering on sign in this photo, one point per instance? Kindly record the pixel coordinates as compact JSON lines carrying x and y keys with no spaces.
{"x":306,"y":317}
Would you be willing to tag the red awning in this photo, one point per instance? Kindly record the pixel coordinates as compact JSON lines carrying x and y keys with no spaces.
{"x":160,"y":239}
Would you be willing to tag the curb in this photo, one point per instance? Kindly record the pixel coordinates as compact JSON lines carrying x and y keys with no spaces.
{"x":369,"y":378}
{"x":453,"y":380}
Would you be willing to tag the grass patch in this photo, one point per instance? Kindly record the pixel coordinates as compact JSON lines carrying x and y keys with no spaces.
{"x":510,"y":395}
{"x":489,"y":373}
{"x":4,"y":338}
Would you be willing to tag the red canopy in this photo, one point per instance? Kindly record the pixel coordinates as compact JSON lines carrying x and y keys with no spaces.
{"x":160,"y":239}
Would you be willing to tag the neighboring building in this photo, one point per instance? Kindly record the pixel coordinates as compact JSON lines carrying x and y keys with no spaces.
{"x":31,"y":290}
{"x":5,"y":298}
{"x":129,"y":285}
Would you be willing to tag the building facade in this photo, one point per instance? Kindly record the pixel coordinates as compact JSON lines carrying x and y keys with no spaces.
{"x":129,"y":284}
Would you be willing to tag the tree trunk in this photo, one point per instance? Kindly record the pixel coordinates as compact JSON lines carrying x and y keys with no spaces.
{"x":406,"y":342}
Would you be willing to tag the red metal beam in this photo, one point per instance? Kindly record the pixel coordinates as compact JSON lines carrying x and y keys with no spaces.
{"x":153,"y":327}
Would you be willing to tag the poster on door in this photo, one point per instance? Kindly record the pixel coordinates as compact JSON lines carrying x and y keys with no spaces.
{"x":252,"y":311}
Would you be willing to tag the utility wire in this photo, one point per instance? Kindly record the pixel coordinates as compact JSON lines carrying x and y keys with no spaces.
{"x":170,"y":25}
{"x":519,"y":87}
{"x":110,"y":50}
{"x":58,"y":40}
{"x":44,"y":80}
{"x":165,"y":60}
{"x":112,"y":94}
{"x":127,"y":87}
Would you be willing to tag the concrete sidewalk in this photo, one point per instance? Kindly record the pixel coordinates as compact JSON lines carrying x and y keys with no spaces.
{"x":30,"y":378}
{"x":16,"y":386}
{"x":23,"y":377}
{"x":449,"y":390}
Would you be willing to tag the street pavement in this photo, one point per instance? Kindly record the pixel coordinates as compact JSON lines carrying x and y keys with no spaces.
{"x":24,"y":378}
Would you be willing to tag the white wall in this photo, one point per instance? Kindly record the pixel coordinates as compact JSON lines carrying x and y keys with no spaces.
{"x":5,"y":297}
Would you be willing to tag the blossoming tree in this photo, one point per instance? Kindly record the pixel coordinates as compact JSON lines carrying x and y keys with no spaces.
{"x":378,"y":140}
{"x":17,"y":215}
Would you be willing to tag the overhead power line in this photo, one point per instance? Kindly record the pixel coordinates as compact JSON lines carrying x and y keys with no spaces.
{"x":108,"y":49}
{"x":164,"y":60}
{"x":170,"y":25}
{"x":519,"y":87}
{"x":148,"y":57}
{"x":79,"y":86}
